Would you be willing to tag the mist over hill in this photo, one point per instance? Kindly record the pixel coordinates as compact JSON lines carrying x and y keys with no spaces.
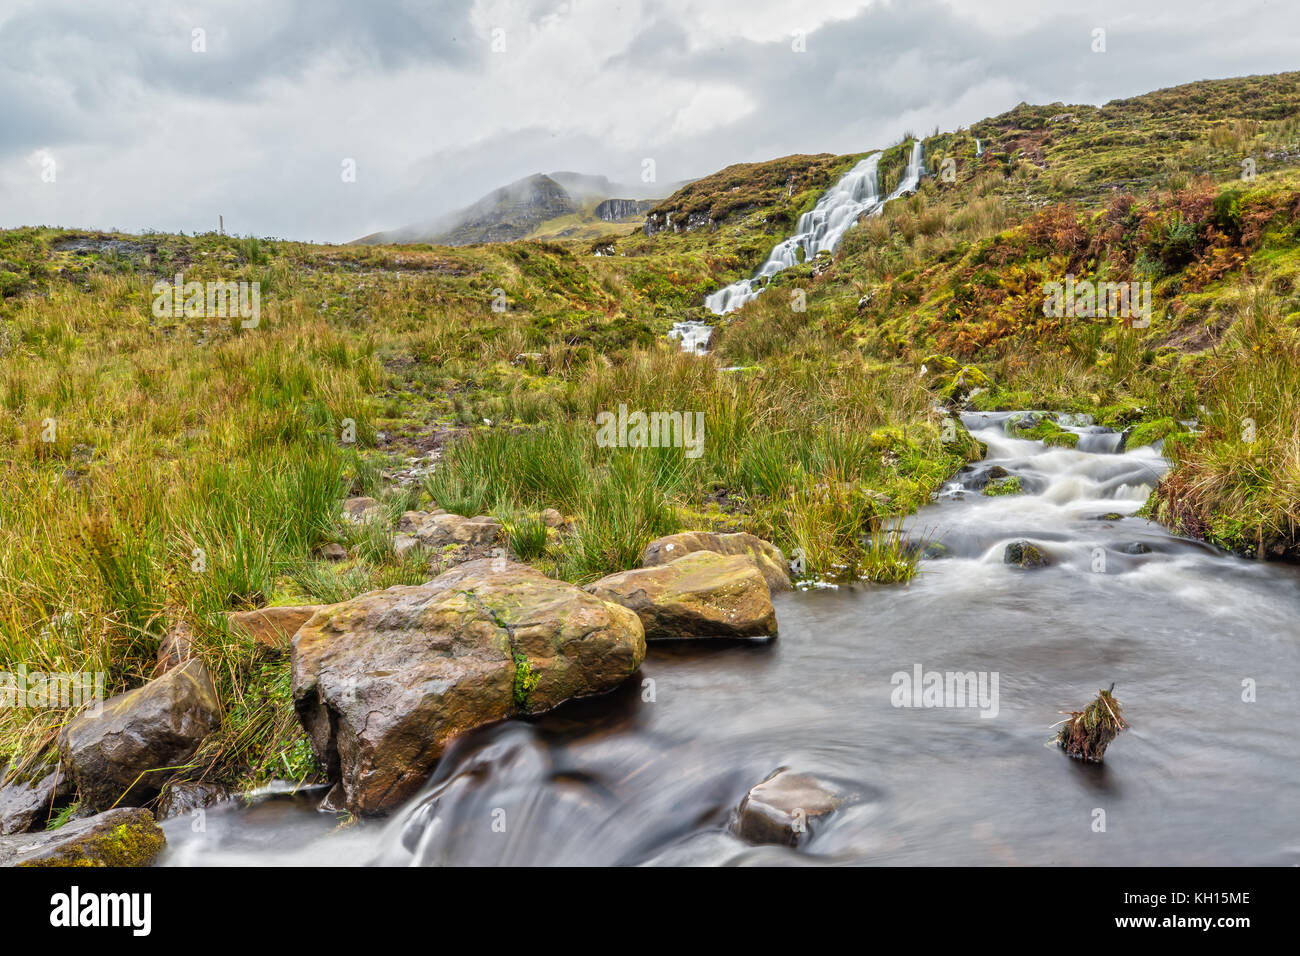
{"x":559,"y":205}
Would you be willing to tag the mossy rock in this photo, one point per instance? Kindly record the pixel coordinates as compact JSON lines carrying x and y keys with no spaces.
{"x":1148,"y":433}
{"x":1003,"y":486}
{"x":1024,"y":554}
{"x":1062,"y":439}
{"x":127,"y":836}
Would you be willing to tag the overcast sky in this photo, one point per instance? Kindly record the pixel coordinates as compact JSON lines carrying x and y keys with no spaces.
{"x":439,"y":101}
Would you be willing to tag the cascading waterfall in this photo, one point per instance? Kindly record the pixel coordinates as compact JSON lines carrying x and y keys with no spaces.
{"x":979,"y":148}
{"x":856,"y":195}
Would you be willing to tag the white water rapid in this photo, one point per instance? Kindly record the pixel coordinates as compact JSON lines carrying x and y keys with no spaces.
{"x":856,"y":195}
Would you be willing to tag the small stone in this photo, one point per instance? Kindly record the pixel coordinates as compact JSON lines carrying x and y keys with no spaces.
{"x":273,"y":627}
{"x":361,"y":509}
{"x":334,"y":552}
{"x":552,"y":518}
{"x":175,"y":648}
{"x":1024,"y":554}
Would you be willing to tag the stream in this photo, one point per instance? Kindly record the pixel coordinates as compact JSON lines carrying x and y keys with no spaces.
{"x":653,"y":773}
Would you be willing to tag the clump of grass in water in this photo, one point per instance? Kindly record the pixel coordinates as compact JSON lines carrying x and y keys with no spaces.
{"x":1003,"y":486}
{"x":1087,"y":733}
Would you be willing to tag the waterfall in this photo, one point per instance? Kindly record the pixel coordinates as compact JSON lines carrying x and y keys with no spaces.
{"x":979,"y":148}
{"x":820,"y":230}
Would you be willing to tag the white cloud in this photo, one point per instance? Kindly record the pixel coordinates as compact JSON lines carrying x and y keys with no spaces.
{"x":148,"y":134}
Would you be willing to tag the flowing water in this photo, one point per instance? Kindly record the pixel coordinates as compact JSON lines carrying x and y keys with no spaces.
{"x":841,"y":207}
{"x":1203,"y":776}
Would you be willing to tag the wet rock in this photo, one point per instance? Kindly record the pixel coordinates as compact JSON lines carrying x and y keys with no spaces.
{"x":1110,"y":516}
{"x":1024,"y":554}
{"x":361,"y":509}
{"x":997,"y":471}
{"x":188,"y":796}
{"x":766,"y":556}
{"x":439,"y":531}
{"x":1134,"y":547}
{"x":272,"y":627}
{"x":127,"y":836}
{"x":26,"y":805}
{"x":334,"y":552}
{"x":161,"y":724}
{"x":703,"y":594}
{"x":382,"y":683}
{"x":786,"y":807}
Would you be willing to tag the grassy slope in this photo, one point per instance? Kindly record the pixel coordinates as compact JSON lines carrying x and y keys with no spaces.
{"x":178,"y":434}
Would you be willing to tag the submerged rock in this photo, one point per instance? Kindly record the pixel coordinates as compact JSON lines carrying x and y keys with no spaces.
{"x":766,"y":556}
{"x":1025,"y":554}
{"x":161,"y":724}
{"x":127,"y":836}
{"x":785,"y":808}
{"x":1134,"y":547}
{"x":383,"y":682}
{"x":703,"y":594}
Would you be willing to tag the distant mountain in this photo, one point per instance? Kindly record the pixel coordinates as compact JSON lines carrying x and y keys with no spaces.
{"x":562,"y":205}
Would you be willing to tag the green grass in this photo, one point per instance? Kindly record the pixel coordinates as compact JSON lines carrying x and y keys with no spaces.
{"x":165,"y":470}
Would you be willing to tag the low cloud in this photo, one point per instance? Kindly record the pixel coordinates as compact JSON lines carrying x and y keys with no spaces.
{"x":437,"y":103}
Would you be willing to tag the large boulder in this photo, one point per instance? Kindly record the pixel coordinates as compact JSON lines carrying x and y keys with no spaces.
{"x":383,"y":682}
{"x":767,"y":556}
{"x":161,"y":724}
{"x":127,"y":836}
{"x":26,"y":804}
{"x":704,"y":594}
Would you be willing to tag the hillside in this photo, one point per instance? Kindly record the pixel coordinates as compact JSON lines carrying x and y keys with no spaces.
{"x":563,"y":205}
{"x":471,"y":375}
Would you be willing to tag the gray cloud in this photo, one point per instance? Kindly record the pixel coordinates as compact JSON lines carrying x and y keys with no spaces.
{"x":439,"y":102}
